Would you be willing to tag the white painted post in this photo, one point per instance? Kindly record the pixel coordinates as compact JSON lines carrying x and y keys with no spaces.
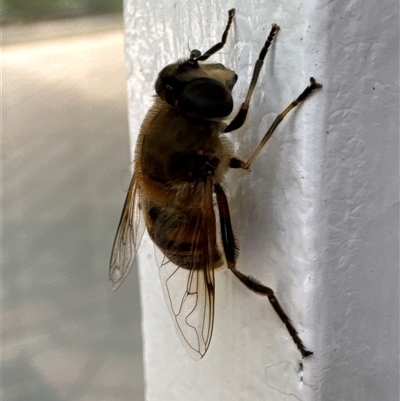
{"x":317,"y":215}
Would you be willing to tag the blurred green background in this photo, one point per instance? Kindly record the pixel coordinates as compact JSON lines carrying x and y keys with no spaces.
{"x":36,"y":10}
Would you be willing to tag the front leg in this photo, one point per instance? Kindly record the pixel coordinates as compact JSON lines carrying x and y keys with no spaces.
{"x":240,"y":118}
{"x":220,"y":45}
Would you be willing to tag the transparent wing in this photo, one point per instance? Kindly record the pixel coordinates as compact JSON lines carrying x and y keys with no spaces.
{"x":129,"y":234}
{"x":186,"y":270}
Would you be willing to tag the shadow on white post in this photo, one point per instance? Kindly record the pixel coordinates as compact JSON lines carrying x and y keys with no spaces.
{"x":317,"y":217}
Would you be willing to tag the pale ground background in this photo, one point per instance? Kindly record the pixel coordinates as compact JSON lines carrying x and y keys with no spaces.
{"x":65,"y":335}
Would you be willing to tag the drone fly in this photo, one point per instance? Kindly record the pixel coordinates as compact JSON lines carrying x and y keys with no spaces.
{"x":177,"y":190}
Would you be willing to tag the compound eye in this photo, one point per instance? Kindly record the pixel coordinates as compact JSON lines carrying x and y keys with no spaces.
{"x":168,"y":88}
{"x":170,"y":94}
{"x":207,"y":98}
{"x":159,"y":86}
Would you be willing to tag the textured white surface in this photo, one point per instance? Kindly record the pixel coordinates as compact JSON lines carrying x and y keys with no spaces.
{"x":316,"y":217}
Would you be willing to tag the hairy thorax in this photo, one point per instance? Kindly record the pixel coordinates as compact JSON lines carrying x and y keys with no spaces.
{"x":176,"y":152}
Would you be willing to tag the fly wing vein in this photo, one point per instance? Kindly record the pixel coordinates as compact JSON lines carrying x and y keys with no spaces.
{"x":189,"y":288}
{"x":129,"y":234}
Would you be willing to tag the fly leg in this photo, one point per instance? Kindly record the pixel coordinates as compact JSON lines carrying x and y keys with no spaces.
{"x":219,"y":45}
{"x":240,"y":118}
{"x":310,"y":89}
{"x":231,"y":253}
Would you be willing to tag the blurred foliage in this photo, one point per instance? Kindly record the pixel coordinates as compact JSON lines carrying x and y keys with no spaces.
{"x":34,"y":10}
